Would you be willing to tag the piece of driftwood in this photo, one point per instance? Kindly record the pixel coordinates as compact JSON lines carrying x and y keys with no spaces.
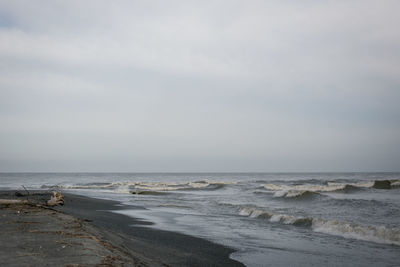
{"x":56,"y":199}
{"x":26,"y":190}
{"x":18,"y":194}
{"x":13,"y":201}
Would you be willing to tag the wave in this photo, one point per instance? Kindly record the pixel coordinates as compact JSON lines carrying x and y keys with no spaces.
{"x":333,"y":186}
{"x":395,"y":184}
{"x":302,"y":194}
{"x":174,"y":206}
{"x":145,"y":187}
{"x":81,"y":186}
{"x":386,"y":184}
{"x":273,"y":217}
{"x":155,"y":193}
{"x":330,"y":187}
{"x":377,"y":234}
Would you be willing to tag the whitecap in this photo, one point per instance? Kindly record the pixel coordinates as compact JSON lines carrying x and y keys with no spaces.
{"x":377,"y":234}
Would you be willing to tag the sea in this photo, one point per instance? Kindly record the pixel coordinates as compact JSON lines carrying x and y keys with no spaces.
{"x":270,"y":219}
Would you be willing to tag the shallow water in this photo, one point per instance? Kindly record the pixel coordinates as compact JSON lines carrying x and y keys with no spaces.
{"x":330,"y":219}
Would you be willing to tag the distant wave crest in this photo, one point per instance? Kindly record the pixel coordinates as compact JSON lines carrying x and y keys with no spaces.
{"x":296,"y":190}
{"x":146,"y":188}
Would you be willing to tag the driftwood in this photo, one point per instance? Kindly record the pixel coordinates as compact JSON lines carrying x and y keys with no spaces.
{"x":56,"y":199}
{"x":26,"y":190}
{"x":13,"y":201}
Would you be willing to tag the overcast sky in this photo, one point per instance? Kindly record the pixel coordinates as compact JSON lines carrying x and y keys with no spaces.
{"x":199,"y":85}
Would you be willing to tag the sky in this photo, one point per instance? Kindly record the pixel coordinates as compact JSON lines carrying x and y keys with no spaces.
{"x":199,"y":86}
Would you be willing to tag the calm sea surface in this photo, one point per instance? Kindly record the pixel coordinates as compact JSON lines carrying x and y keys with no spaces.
{"x":272,"y":219}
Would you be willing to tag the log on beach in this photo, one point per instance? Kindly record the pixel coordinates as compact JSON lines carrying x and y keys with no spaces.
{"x":55,"y":199}
{"x":12,"y":201}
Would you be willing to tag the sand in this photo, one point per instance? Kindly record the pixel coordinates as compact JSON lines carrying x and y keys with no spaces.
{"x":84,"y":232}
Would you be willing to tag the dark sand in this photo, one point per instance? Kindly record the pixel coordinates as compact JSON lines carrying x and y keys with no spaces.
{"x":34,"y":236}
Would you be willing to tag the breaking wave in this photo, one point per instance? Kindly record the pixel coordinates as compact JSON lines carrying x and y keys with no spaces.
{"x":302,"y":194}
{"x":274,"y":217}
{"x":294,"y":190}
{"x":148,"y":188}
{"x":379,"y":234}
{"x":395,"y":184}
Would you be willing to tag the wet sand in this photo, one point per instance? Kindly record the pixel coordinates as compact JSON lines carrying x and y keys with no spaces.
{"x":85,"y":232}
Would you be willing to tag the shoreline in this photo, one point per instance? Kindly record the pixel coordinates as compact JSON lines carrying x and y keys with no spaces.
{"x":143,"y":246}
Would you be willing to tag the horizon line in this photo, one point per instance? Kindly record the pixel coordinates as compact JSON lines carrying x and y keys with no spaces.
{"x":204,"y":172}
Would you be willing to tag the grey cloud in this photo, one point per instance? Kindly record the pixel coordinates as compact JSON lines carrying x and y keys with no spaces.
{"x":199,"y":86}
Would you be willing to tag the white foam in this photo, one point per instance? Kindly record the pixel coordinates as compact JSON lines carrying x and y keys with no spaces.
{"x":127,"y":186}
{"x":283,"y":218}
{"x":312,"y":188}
{"x":282,"y":193}
{"x":379,"y":234}
{"x":293,"y":193}
{"x":330,"y":187}
{"x":395,"y":184}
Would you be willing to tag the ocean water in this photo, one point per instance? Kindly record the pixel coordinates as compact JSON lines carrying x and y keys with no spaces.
{"x":271,"y":219}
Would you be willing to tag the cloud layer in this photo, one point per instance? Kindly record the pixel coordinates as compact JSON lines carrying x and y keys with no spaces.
{"x":199,"y":86}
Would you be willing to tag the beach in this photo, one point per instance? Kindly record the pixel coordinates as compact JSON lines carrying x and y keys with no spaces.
{"x":83,"y":232}
{"x":213,"y":219}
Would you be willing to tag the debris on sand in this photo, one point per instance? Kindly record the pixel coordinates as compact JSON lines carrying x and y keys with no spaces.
{"x":56,"y":199}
